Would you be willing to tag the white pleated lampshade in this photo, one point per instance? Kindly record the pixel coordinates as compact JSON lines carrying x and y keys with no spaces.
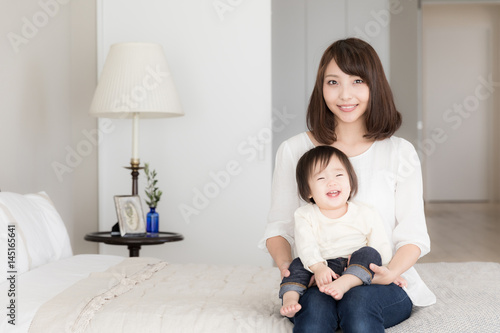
{"x":136,"y":79}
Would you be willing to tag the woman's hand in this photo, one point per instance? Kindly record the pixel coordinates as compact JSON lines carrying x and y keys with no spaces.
{"x":284,"y":270}
{"x":384,"y":275}
{"x":280,"y":250}
{"x":406,"y":256}
{"x":401,"y":282}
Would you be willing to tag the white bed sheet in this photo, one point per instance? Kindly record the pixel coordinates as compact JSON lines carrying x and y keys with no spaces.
{"x":41,"y":284}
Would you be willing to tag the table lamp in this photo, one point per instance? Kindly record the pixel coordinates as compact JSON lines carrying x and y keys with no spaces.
{"x":135,"y":83}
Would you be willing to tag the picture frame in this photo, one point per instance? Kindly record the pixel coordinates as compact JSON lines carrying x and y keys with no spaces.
{"x":130,"y":215}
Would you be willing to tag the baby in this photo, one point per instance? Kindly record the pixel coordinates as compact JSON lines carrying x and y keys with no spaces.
{"x":336,"y":239}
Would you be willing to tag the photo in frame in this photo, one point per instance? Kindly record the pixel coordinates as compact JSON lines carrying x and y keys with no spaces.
{"x":130,"y":215}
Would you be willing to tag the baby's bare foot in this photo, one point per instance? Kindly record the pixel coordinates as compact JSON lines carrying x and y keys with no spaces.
{"x":334,"y":289}
{"x":339,"y":287}
{"x":289,"y":310}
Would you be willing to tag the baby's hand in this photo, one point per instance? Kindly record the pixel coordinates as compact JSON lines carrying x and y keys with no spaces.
{"x":323,"y":274}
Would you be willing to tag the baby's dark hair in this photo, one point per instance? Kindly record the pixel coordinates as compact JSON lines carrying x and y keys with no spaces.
{"x":321,"y":156}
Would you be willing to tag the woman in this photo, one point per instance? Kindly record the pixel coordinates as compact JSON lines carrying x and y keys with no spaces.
{"x":352,"y":108}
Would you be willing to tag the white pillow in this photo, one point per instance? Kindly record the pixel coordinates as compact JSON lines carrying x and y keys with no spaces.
{"x":41,"y":236}
{"x":20,"y":259}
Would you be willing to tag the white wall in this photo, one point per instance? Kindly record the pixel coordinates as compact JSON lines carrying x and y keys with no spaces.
{"x":48,"y":57}
{"x":221,"y":64}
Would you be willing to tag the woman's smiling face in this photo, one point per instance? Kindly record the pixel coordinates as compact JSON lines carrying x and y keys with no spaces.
{"x":347,"y":96}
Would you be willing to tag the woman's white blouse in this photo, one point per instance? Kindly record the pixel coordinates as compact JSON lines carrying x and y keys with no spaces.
{"x":389,"y":180}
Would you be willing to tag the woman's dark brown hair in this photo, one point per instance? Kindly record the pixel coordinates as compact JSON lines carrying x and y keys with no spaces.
{"x":320,"y":156}
{"x":358,"y":58}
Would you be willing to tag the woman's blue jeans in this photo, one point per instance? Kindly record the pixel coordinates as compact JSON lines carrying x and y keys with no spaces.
{"x":367,"y":308}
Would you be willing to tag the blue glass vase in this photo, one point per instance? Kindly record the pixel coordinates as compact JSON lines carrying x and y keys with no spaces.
{"x":153,"y":220}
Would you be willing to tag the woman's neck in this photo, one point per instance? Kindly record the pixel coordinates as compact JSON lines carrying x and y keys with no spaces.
{"x":350,"y":138}
{"x":350,"y":133}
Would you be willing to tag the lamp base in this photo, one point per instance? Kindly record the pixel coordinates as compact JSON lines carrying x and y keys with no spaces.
{"x":135,"y":167}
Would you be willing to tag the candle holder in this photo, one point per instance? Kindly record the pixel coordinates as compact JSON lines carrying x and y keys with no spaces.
{"x":135,"y":167}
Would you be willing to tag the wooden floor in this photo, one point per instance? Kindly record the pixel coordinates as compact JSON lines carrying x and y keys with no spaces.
{"x":463,"y":232}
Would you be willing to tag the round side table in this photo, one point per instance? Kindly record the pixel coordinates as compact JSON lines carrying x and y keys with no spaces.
{"x":133,"y":243}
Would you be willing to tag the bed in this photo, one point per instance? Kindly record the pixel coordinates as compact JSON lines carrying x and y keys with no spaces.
{"x":56,"y":291}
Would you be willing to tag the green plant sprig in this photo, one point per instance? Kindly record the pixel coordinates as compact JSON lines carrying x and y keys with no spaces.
{"x":151,"y":190}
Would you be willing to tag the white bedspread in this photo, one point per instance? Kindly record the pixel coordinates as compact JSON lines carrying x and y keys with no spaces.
{"x":147,"y":295}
